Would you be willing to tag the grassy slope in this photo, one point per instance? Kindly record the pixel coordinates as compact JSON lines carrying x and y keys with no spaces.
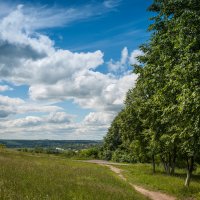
{"x":23,"y":176}
{"x":141,"y":174}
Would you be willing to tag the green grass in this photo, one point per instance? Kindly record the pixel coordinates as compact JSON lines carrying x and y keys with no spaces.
{"x":25,"y":176}
{"x":141,"y":174}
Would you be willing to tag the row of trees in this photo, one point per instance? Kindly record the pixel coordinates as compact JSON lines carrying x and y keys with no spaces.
{"x":161,"y":118}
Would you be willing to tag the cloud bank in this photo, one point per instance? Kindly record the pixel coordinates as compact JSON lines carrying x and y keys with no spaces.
{"x":56,"y":75}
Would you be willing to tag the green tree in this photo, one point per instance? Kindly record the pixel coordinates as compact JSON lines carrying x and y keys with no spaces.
{"x":161,"y":117}
{"x":170,"y":76}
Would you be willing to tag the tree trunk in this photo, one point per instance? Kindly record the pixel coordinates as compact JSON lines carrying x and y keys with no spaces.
{"x":172,"y":168}
{"x":153,"y":164}
{"x":169,"y":164}
{"x":190,"y":167}
{"x":168,"y":168}
{"x":188,"y":178}
{"x":173,"y":161}
{"x":164,"y":165}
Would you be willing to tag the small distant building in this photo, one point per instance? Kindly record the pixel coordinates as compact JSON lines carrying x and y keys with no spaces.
{"x":59,"y":149}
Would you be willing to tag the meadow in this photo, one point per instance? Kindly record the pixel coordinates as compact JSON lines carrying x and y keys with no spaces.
{"x":141,"y":174}
{"x":24,"y":176}
{"x":31,"y":176}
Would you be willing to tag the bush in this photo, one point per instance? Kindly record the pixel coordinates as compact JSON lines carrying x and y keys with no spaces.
{"x":122,"y":156}
{"x":90,"y":153}
{"x":69,"y":153}
{"x":105,"y":154}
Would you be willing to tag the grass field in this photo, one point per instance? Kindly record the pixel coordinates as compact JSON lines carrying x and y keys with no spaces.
{"x":25,"y":176}
{"x":141,"y":174}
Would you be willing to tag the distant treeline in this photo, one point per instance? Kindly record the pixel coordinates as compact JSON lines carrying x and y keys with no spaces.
{"x":86,"y":153}
{"x":65,"y":144}
{"x":160,"y":122}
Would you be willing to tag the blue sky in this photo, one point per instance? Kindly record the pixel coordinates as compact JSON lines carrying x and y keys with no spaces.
{"x":65,"y":66}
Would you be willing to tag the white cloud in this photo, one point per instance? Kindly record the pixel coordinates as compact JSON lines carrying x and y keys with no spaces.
{"x":60,"y":74}
{"x":98,"y":118}
{"x":34,"y":127}
{"x":111,"y":93}
{"x":5,"y":100}
{"x":28,"y":121}
{"x":41,"y":17}
{"x":63,"y":65}
{"x":4,"y":88}
{"x":126,"y":60}
{"x":119,"y":66}
{"x":59,"y":117}
{"x":34,"y":57}
{"x":89,"y":89}
{"x":9,"y":106}
{"x":55,"y":75}
{"x":133,"y":58}
{"x":52,"y":118}
{"x":124,"y":56}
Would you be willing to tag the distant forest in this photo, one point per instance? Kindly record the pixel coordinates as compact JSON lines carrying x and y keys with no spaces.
{"x":65,"y":144}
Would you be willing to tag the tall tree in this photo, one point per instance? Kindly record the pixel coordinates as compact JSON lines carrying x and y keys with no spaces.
{"x":161,"y":113}
{"x":171,"y":76}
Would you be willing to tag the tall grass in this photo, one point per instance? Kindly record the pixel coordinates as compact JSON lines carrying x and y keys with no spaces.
{"x":25,"y":176}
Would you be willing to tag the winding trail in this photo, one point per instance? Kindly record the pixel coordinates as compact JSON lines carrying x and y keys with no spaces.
{"x":148,"y":193}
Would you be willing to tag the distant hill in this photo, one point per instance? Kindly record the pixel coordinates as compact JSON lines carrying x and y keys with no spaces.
{"x":66,"y":144}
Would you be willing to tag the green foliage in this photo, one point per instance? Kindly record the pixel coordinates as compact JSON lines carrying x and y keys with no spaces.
{"x":122,"y":156}
{"x":161,"y":118}
{"x":120,"y":142}
{"x":89,"y":153}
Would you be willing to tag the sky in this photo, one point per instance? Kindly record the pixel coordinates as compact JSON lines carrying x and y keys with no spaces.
{"x":65,"y":66}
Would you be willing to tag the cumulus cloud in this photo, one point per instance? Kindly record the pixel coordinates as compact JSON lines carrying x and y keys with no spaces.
{"x":35,"y":127}
{"x":58,"y":117}
{"x":126,"y":60}
{"x":119,"y":66}
{"x":57,"y":74}
{"x":5,"y":100}
{"x":34,"y":56}
{"x":111,"y":93}
{"x":28,"y":121}
{"x":88,"y":89}
{"x":133,"y":57}
{"x":54,"y":75}
{"x":7,"y":105}
{"x":52,"y":118}
{"x":98,"y":118}
{"x":10,"y":106}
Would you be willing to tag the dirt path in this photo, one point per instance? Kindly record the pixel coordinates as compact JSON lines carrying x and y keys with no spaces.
{"x":104,"y":162}
{"x":148,"y":193}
